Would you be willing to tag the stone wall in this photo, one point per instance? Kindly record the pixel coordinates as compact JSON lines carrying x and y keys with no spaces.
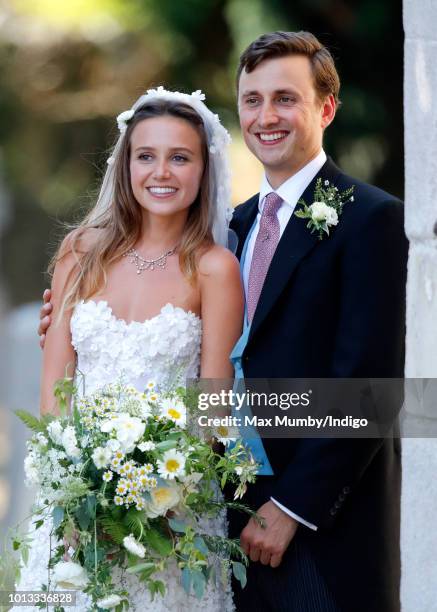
{"x":419,"y":497}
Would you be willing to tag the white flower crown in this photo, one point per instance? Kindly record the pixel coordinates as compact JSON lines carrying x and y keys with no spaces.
{"x":195,"y":99}
{"x":124,"y":117}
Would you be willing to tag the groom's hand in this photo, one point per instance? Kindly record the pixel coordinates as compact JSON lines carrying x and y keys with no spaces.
{"x":44,"y":317}
{"x":268,"y":543}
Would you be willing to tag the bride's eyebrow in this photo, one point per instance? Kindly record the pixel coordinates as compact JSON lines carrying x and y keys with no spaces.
{"x":186,"y":149}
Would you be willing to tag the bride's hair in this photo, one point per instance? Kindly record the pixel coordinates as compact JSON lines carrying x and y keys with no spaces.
{"x":103,"y":237}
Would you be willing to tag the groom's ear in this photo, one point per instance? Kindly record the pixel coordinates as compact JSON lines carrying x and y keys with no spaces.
{"x":328,"y":109}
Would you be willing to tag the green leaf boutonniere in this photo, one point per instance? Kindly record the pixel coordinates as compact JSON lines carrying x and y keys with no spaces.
{"x":328,"y":204}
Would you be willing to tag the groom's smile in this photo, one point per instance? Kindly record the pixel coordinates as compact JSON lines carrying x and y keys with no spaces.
{"x":272,"y":138}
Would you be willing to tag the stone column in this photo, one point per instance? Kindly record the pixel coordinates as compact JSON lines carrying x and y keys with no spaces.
{"x":419,"y":497}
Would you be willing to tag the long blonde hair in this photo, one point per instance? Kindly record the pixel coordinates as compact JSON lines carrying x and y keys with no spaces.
{"x":119,"y":226}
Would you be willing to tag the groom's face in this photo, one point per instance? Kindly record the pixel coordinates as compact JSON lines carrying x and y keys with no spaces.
{"x":281,"y":117}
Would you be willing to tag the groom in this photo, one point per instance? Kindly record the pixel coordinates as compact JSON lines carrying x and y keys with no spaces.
{"x":315,"y":309}
{"x":328,"y":309}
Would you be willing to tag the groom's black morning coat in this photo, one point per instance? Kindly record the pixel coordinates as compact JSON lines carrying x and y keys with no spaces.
{"x":333,"y":308}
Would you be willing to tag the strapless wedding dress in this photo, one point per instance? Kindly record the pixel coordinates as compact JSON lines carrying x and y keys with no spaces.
{"x":110,"y":349}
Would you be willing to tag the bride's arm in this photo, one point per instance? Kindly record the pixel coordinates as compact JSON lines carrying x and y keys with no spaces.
{"x":59,"y":358}
{"x":222,"y":305}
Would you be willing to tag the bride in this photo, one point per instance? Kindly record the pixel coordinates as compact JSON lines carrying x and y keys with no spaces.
{"x":144,"y":287}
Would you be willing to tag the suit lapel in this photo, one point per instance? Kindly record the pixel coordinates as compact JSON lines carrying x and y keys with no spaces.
{"x":295,"y":243}
{"x":245,"y":223}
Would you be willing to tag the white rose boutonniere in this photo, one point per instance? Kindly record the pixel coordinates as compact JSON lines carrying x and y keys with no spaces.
{"x":325,"y":211}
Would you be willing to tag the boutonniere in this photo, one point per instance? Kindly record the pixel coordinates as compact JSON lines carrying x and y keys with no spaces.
{"x":328,"y":204}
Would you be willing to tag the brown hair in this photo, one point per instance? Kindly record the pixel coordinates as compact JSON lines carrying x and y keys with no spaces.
{"x":281,"y":44}
{"x":118,"y":227}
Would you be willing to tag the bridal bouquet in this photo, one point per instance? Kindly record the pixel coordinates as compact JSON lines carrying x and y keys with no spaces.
{"x":125,"y":482}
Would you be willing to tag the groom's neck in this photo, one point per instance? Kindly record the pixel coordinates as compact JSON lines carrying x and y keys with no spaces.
{"x":277,"y":176}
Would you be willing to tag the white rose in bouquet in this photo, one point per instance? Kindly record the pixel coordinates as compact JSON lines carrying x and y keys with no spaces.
{"x":55,"y":431}
{"x":31,"y":470}
{"x":162,"y":499}
{"x":128,"y":430}
{"x":69,"y":442}
{"x":134,"y":547}
{"x":109,"y":602}
{"x":146,"y":446}
{"x":70,"y":575}
{"x":113,"y":445}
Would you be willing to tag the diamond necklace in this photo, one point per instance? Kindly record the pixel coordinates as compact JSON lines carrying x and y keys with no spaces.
{"x":148,"y":264}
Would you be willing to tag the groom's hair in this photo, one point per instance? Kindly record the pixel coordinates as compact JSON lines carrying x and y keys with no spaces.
{"x":280,"y":44}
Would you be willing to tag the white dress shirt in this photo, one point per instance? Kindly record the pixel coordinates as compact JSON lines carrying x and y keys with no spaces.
{"x":290,"y":191}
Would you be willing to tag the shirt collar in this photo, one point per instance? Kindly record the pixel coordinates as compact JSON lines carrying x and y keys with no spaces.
{"x":291,"y":189}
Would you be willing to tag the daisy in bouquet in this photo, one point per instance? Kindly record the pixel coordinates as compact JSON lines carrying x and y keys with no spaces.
{"x":125,"y":482}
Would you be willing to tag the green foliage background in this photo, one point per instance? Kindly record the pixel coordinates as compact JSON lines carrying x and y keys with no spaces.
{"x":67,"y":68}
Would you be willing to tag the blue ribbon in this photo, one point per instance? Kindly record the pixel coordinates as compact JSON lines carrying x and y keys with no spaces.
{"x":250,"y":435}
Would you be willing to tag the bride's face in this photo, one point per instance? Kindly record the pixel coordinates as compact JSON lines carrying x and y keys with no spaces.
{"x":166,"y":164}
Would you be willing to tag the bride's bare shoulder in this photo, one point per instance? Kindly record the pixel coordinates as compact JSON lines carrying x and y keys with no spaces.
{"x":68,"y":258}
{"x":79,"y":241}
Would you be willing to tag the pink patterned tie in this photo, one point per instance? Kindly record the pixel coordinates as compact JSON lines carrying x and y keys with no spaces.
{"x":265,"y":246}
